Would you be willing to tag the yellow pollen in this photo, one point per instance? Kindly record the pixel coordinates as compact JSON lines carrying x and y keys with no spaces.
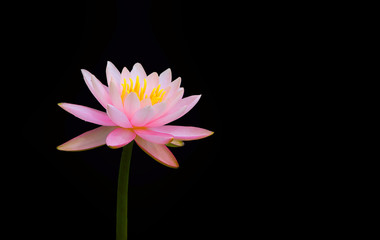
{"x":155,"y":96}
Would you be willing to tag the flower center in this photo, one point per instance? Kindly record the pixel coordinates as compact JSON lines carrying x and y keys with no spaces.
{"x":156,"y":95}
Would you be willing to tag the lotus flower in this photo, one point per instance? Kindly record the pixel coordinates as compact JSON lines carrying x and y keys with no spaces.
{"x":138,"y":107}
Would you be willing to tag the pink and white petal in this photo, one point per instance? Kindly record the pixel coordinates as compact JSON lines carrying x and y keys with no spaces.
{"x":88,"y":114}
{"x":115,"y":95}
{"x":173,"y":100}
{"x":158,"y":152}
{"x":145,"y":102}
{"x":159,"y":109}
{"x":174,"y":86}
{"x":112,"y":72}
{"x":138,"y":70}
{"x":125,"y":74}
{"x":88,"y":140}
{"x":165,"y":78}
{"x":154,"y":137}
{"x":184,"y":132}
{"x":167,"y":118}
{"x":131,"y":104}
{"x":120,"y":137}
{"x":151,"y":82}
{"x":190,"y":102}
{"x":87,"y":79}
{"x":118,"y":117}
{"x":100,"y":92}
{"x":142,"y":116}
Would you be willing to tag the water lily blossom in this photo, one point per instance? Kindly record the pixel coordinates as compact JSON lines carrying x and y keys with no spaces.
{"x":137,"y":107}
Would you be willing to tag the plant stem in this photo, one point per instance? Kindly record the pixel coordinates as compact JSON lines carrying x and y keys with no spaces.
{"x":122,"y":193}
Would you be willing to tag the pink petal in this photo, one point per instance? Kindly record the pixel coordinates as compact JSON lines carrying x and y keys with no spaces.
{"x":167,"y":118}
{"x":142,"y":116}
{"x":100,"y":92}
{"x":159,"y":109}
{"x":158,"y":152}
{"x":120,"y":137}
{"x":190,"y":102}
{"x":154,"y":137}
{"x":184,"y":132}
{"x":151,"y":82}
{"x":165,"y":78}
{"x":112,"y":72}
{"x":125,"y":74}
{"x":115,"y":94}
{"x":174,"y":86}
{"x":138,"y":70}
{"x":87,"y":114}
{"x":118,"y":117}
{"x":87,"y":76}
{"x":131,"y":104}
{"x":174,"y":99}
{"x":88,"y":140}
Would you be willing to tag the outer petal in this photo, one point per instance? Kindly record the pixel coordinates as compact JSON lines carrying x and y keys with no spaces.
{"x":100,"y":92}
{"x":190,"y":102}
{"x":142,"y":116}
{"x":158,"y":152}
{"x":154,"y":137}
{"x":184,"y":132}
{"x":112,"y":72}
{"x":88,"y":140}
{"x":120,"y":137}
{"x":118,"y":117}
{"x":88,"y":114}
{"x":115,"y":94}
{"x":167,"y":118}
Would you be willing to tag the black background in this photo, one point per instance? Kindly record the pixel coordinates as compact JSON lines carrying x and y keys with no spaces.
{"x":72,"y":195}
{"x":247,"y":180}
{"x":268,"y":169}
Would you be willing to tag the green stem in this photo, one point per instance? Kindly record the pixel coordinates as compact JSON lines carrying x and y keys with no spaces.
{"x":122,"y":193}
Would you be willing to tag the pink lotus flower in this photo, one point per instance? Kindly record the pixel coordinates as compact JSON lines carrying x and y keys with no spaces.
{"x":138,"y":107}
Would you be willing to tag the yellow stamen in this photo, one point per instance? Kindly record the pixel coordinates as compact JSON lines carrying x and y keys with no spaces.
{"x":155,"y":96}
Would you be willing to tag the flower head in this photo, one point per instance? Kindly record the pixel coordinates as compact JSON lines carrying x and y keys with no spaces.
{"x":138,"y":107}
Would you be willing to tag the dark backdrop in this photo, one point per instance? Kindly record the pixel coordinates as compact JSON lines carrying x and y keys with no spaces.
{"x":72,"y":195}
{"x":245,"y":181}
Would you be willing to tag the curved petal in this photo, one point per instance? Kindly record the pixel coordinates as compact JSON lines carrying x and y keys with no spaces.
{"x":112,"y":73}
{"x":125,"y":74}
{"x":138,"y":70}
{"x":151,"y":82}
{"x":165,"y":78}
{"x":87,"y":79}
{"x":120,"y":137}
{"x":100,"y":92}
{"x":174,"y":86}
{"x":142,"y":116}
{"x":118,"y":117}
{"x":131,"y":104}
{"x":115,"y":94}
{"x":167,"y":118}
{"x":158,"y":152}
{"x":88,"y":114}
{"x":184,"y":132}
{"x":154,"y":137}
{"x":190,"y":102}
{"x":88,"y":140}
